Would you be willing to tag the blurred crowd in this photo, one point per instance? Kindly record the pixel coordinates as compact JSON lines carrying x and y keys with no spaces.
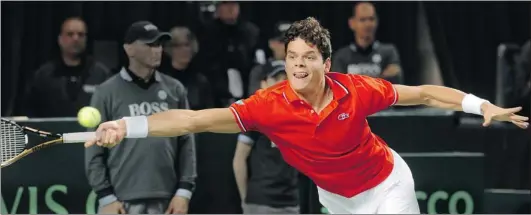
{"x":218,"y":65}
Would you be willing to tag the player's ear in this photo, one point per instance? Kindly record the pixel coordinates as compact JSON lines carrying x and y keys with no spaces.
{"x":263,"y":84}
{"x":328,"y":65}
{"x":351,"y":23}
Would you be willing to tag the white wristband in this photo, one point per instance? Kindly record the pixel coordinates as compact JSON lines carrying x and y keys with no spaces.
{"x":137,"y":126}
{"x":472,"y":104}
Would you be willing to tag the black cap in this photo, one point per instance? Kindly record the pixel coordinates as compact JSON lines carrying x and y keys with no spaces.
{"x":274,"y":68}
{"x":146,"y":32}
{"x":280,"y":30}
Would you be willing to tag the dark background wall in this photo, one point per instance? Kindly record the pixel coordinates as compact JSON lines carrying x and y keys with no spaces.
{"x":465,"y":34}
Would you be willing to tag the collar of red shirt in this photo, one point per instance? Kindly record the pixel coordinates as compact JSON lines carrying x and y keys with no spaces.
{"x":338,"y":89}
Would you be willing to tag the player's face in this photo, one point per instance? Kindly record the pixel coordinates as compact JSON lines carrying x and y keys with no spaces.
{"x":73,"y":37}
{"x":148,"y":54}
{"x":305,"y":66}
{"x":365,"y":22}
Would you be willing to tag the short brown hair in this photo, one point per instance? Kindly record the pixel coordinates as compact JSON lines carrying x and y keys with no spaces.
{"x":311,"y":31}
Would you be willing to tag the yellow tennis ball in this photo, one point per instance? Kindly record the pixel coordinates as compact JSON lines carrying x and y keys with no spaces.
{"x":89,"y":117}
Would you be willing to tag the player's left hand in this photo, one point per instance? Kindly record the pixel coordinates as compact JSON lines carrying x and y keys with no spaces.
{"x":493,"y":112}
{"x":178,"y":205}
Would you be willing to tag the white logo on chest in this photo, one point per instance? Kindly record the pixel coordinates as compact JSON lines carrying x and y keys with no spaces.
{"x":342,"y":116}
{"x":162,"y":95}
{"x":376,"y":58}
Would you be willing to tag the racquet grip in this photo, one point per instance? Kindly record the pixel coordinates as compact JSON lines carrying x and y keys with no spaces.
{"x":78,"y":137}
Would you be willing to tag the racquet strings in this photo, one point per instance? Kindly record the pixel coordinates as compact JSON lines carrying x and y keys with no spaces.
{"x":13,"y":141}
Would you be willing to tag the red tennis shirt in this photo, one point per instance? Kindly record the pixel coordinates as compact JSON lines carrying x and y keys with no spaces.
{"x":336,"y":147}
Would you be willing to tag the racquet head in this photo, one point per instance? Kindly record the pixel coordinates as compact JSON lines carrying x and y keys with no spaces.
{"x":14,"y":142}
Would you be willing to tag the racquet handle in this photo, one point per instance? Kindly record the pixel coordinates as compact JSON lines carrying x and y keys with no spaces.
{"x":78,"y":137}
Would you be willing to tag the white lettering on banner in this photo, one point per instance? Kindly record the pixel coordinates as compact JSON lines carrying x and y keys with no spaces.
{"x":147,"y":108}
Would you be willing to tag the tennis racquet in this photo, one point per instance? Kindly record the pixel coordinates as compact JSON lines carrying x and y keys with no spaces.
{"x":14,"y":141}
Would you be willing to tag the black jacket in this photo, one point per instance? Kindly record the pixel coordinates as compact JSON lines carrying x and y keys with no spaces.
{"x":198,"y":87}
{"x":58,"y":90}
{"x":227,"y":46}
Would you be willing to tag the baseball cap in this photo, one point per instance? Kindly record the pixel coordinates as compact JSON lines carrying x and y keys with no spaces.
{"x":273,"y":69}
{"x":146,"y":32}
{"x":280,"y":30}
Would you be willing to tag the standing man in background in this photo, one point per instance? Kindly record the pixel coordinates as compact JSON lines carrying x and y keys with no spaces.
{"x":366,"y":55}
{"x":143,"y":176}
{"x":272,"y":186}
{"x":183,"y":66}
{"x":230,"y":43}
{"x":276,"y":44}
{"x":67,"y":81}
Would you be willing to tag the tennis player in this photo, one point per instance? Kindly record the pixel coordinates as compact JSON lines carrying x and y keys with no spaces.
{"x":318,"y":121}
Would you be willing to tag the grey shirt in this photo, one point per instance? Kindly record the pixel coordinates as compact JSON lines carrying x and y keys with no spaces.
{"x":141,"y":168}
{"x":373,"y":62}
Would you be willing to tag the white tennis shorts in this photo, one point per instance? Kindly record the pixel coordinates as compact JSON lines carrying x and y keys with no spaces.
{"x":395,"y":195}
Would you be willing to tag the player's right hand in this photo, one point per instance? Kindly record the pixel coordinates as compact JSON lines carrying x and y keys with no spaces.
{"x":113,"y":208}
{"x":109,"y":134}
{"x":492,"y":112}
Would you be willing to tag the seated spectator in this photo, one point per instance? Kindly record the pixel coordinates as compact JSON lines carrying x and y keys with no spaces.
{"x":231,"y":43}
{"x":365,"y":55}
{"x":276,"y":44}
{"x":184,"y":67}
{"x":62,"y":86}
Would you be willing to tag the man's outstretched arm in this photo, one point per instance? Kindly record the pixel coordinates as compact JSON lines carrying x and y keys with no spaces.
{"x":449,"y":98}
{"x":430,"y":95}
{"x":171,"y":123}
{"x":180,"y":122}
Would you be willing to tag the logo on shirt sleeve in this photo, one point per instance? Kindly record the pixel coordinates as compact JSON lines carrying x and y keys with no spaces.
{"x":239,"y":102}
